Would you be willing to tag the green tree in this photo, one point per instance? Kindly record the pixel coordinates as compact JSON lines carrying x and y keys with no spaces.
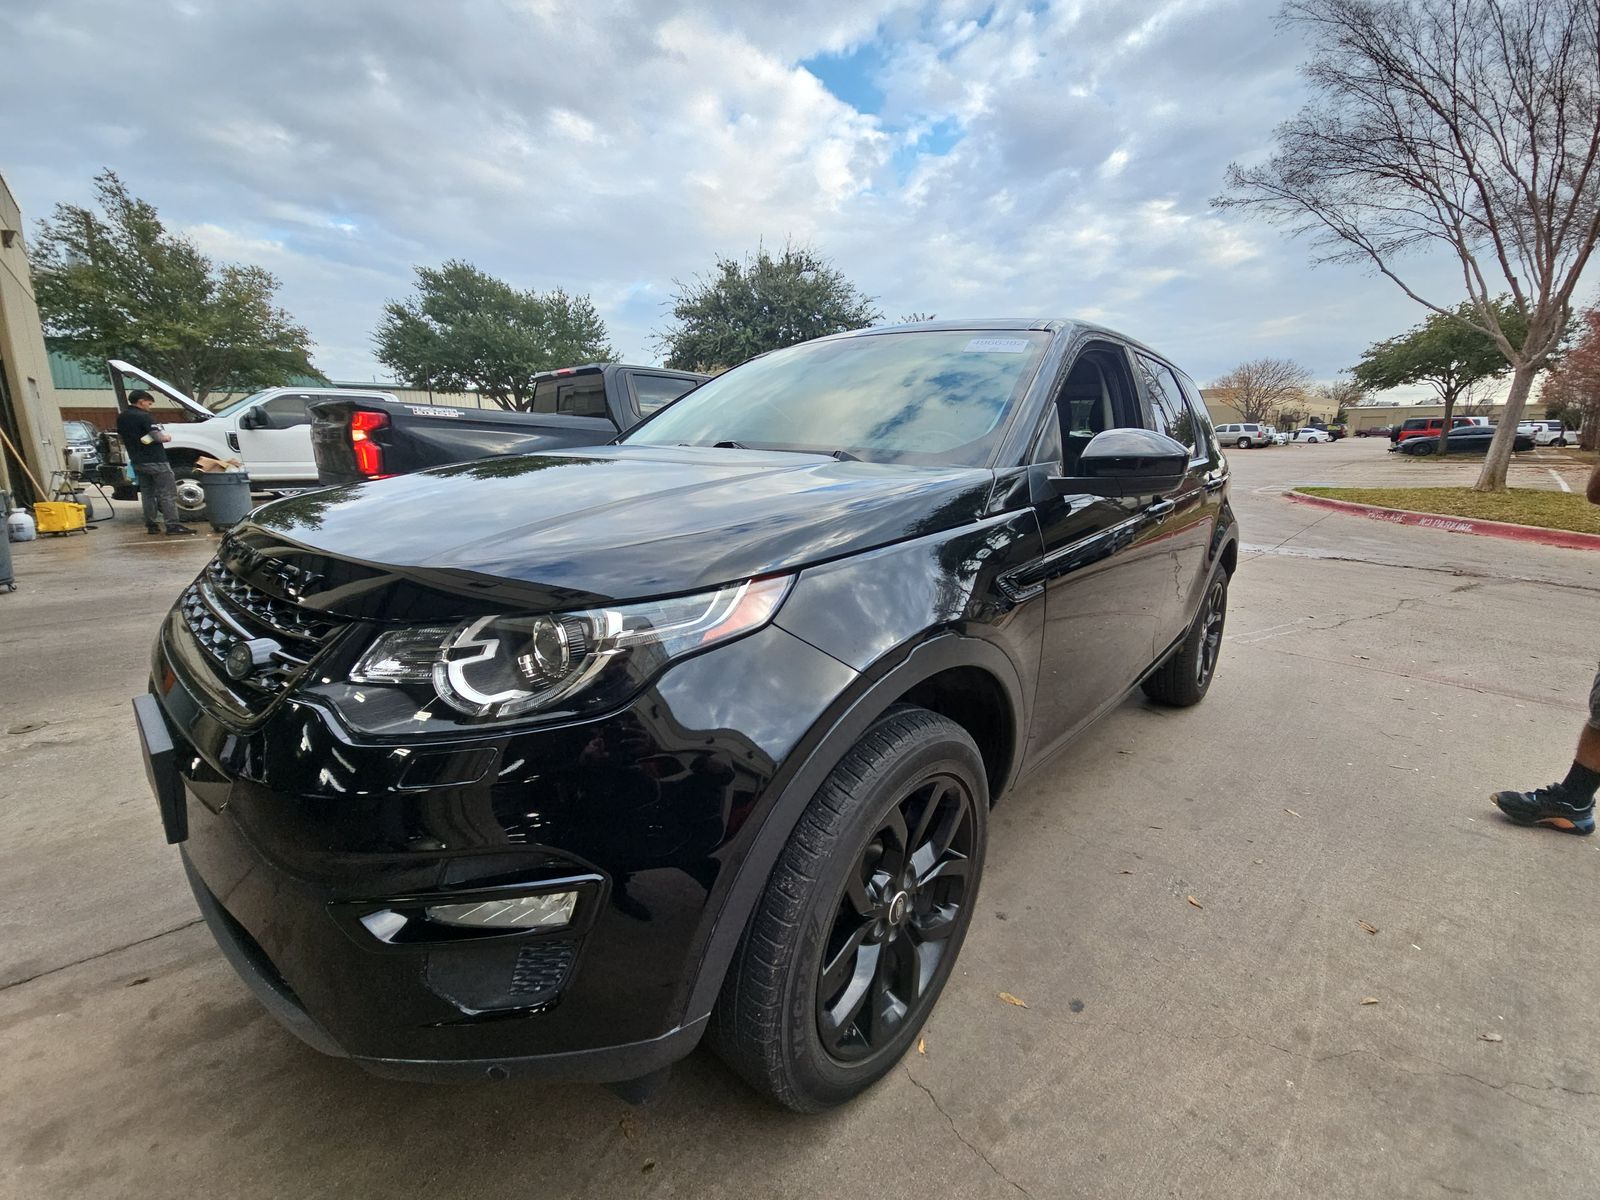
{"x":117,"y":284}
{"x":1446,"y":352}
{"x":1469,"y":128}
{"x":746,"y":308}
{"x":465,"y":330}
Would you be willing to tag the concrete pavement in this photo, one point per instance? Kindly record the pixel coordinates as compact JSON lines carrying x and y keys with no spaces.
{"x":1376,"y":683}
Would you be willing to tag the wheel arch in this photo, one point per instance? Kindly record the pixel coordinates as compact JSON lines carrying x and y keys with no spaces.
{"x":931,"y":676}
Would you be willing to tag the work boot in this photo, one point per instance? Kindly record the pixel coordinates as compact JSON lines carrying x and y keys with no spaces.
{"x":179,"y":530}
{"x":1546,"y":806}
{"x":151,"y":527}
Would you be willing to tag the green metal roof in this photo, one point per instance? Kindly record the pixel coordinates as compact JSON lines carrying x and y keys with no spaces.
{"x":70,"y":375}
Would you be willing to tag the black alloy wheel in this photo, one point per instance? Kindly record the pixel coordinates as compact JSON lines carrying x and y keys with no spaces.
{"x":1186,"y":676}
{"x":1213,"y":616}
{"x":862,"y":918}
{"x":902,"y":899}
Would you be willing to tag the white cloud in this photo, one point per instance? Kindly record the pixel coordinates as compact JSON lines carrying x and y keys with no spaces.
{"x":1026,"y":159}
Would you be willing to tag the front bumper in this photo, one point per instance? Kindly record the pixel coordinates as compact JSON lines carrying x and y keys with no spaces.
{"x":291,"y":832}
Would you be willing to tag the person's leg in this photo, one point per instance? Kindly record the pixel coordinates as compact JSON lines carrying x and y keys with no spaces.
{"x":167,"y":494}
{"x":147,"y":497}
{"x":1568,"y":805}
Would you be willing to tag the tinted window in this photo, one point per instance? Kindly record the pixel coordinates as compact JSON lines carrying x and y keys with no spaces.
{"x":584,"y":396}
{"x":1197,"y":409}
{"x":287,"y":411}
{"x":933,"y":396}
{"x":1166,"y":403}
{"x":653,"y":391}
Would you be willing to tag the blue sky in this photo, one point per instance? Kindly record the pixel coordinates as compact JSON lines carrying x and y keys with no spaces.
{"x":951,"y":157}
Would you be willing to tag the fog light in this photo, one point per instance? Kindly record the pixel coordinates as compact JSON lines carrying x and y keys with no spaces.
{"x":547,"y":911}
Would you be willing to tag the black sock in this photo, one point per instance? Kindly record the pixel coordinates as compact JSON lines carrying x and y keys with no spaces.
{"x":1580,"y":784}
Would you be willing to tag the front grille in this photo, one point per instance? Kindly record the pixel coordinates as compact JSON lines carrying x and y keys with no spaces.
{"x":221,"y":610}
{"x":541,"y":969}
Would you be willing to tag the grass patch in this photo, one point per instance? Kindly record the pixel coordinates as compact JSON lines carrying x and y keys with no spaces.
{"x":1519,"y":506}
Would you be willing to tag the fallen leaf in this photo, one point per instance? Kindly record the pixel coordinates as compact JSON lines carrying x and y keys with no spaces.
{"x":1258,"y":861}
{"x":1368,"y":928}
{"x":1490,"y":1037}
{"x":1369,"y":999}
{"x":922,"y":1046}
{"x":1291,"y":812}
{"x":1124,"y":872}
{"x":629,"y":1127}
{"x":649,"y":1165}
{"x":1195,"y":902}
{"x":1010,"y":999}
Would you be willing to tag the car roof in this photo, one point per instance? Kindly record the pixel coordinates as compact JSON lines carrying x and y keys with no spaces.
{"x":1019,"y":324}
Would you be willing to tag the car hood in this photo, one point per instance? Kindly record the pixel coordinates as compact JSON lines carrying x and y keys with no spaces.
{"x":566,"y":529}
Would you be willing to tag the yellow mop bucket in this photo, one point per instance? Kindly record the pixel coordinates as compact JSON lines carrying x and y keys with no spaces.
{"x":58,"y":516}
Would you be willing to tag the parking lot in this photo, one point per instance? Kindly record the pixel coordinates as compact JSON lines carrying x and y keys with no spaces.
{"x":1276,"y":945}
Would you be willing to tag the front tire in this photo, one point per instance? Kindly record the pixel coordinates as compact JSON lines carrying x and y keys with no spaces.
{"x":1185,"y":678}
{"x":861,"y":922}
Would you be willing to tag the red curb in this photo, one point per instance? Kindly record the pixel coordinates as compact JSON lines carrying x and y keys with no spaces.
{"x":1565,"y":538}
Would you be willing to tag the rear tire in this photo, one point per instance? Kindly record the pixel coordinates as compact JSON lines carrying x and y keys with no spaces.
{"x":1244,"y":443}
{"x":1185,"y":678}
{"x":862,"y":919}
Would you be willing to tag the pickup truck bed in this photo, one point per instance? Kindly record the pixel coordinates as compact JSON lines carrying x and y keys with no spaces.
{"x":358,"y":439}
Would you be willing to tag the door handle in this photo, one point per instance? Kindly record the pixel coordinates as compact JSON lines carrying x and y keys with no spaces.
{"x":1160,"y":509}
{"x":1216,"y":485}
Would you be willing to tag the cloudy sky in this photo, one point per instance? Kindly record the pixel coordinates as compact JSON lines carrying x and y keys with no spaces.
{"x":957,"y":158}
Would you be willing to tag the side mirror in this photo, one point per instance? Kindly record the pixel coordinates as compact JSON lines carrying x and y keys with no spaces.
{"x":252,"y":418}
{"x":1126,"y":462}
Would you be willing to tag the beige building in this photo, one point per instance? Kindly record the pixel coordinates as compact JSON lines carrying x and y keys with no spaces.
{"x":1305,"y":407}
{"x":28,"y":411}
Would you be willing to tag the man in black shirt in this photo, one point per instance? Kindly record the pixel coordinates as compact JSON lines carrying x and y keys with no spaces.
{"x":143,"y":440}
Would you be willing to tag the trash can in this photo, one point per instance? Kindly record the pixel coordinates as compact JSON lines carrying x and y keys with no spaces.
{"x":227,"y":498}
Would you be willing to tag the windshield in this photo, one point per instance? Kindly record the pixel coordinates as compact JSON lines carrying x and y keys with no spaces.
{"x":937,"y":397}
{"x":230,"y":406}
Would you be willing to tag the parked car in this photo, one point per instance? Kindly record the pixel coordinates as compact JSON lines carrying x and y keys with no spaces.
{"x":1244,"y":434}
{"x":533,"y":764}
{"x":1470,"y":439}
{"x":1311,"y":433}
{"x":1375,"y":431}
{"x":82,"y":439}
{"x":1413,"y":427}
{"x":268,"y":431}
{"x":1548,"y":433}
{"x":357,"y":437}
{"x":1280,"y":438}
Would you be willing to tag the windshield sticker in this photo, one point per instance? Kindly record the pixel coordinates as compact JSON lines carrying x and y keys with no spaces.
{"x":998,"y":346}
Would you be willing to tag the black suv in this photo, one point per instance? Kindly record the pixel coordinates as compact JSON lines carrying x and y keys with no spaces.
{"x":557,"y":763}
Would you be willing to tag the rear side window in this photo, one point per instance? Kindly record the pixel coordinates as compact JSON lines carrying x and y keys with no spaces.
{"x":650,"y":392}
{"x":584,"y":396}
{"x":1166,"y":403}
{"x":1197,"y":409}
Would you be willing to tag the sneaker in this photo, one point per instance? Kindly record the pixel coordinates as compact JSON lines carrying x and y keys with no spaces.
{"x":178,"y":530}
{"x":1545,"y":806}
{"x":151,"y":527}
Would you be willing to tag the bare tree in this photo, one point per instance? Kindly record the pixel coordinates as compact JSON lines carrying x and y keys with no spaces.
{"x":1264,"y":388}
{"x":1472,"y":125}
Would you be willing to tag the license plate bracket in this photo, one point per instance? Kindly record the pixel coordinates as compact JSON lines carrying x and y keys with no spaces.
{"x":161,"y":768}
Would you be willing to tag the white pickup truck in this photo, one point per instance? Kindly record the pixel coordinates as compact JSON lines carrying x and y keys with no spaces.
{"x":269,"y":432}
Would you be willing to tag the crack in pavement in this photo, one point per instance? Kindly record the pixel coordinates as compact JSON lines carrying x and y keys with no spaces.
{"x":961,"y":1137}
{"x":11,"y":983}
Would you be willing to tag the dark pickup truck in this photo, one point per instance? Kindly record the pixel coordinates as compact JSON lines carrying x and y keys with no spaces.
{"x":362,"y":438}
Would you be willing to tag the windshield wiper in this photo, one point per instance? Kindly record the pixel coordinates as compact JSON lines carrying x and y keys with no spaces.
{"x":844,"y":456}
{"x":729,"y":445}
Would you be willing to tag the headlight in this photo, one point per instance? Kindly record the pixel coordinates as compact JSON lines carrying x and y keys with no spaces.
{"x":496,"y":667}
